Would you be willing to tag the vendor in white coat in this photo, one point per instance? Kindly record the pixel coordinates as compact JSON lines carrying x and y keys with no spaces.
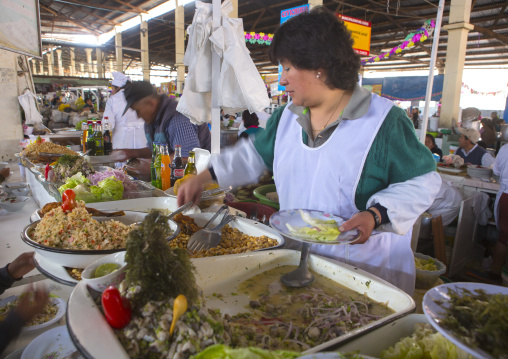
{"x":336,"y":147}
{"x":128,"y":129}
{"x":501,"y":213}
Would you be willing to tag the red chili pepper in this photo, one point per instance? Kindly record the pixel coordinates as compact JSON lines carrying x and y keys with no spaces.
{"x":117,"y":309}
{"x":68,"y":200}
{"x":46,"y":171}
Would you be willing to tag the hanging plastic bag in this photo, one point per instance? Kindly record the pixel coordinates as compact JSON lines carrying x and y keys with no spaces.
{"x":32,"y":115}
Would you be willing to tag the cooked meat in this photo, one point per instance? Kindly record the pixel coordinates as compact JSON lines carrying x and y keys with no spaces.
{"x":49,"y":207}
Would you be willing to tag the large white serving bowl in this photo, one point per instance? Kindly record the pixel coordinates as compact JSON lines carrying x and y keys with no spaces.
{"x":82,"y":258}
{"x":223,"y":274}
{"x":13,"y":203}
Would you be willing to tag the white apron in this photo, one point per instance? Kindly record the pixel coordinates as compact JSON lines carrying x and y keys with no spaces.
{"x":325,"y":178}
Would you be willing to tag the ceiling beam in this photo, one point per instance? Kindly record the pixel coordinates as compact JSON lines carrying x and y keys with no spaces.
{"x":98,"y":7}
{"x":137,"y":9}
{"x":71,"y":21}
{"x":492,"y":34}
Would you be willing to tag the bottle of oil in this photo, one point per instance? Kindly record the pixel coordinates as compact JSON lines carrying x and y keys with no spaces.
{"x":190,"y":168}
{"x":153,"y":172}
{"x":84,"y":136}
{"x":158,"y":182}
{"x":99,"y":140}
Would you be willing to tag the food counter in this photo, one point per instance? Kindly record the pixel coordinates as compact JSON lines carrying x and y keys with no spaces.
{"x":220,"y":277}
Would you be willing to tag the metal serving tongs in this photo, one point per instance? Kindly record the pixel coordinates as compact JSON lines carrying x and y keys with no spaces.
{"x":195,"y":240}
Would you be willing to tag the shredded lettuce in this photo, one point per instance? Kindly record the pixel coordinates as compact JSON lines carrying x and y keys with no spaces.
{"x":109,"y":189}
{"x":220,"y":351}
{"x":320,"y":230}
{"x":424,"y":343}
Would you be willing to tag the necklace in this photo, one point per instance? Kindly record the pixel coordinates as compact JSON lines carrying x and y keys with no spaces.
{"x":331,"y":116}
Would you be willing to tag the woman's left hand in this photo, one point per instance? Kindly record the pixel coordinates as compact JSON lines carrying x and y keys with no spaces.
{"x":364,"y":222}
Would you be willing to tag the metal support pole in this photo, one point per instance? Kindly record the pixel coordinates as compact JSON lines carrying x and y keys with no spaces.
{"x":216,"y":17}
{"x":145,"y":57}
{"x":119,"y":52}
{"x":430,"y":81}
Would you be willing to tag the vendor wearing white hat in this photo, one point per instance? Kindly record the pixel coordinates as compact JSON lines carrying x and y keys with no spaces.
{"x":469,"y":149}
{"x":128,"y":128}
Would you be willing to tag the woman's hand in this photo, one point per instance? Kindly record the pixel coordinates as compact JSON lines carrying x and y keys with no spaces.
{"x":23,"y":264}
{"x":364,"y":222}
{"x":191,"y":189}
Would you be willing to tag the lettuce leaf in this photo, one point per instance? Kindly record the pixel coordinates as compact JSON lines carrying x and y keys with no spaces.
{"x":220,"y":351}
{"x":321,"y":230}
{"x":73,"y":181}
{"x":112,"y":187}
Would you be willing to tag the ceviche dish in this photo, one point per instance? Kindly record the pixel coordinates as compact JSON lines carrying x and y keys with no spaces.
{"x":147,"y":306}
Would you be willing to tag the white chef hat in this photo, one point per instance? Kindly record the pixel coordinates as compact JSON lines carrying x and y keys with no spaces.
{"x":119,"y":79}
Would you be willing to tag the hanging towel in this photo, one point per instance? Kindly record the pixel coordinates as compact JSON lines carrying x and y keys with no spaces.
{"x":32,"y":115}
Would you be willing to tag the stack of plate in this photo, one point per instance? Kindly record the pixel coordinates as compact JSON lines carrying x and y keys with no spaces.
{"x":479,"y":172}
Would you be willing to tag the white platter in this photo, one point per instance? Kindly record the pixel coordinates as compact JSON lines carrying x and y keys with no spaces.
{"x":436,"y":300}
{"x":244,"y":225}
{"x":223,"y":274}
{"x":59,"y":303}
{"x":54,"y":344}
{"x":278,"y":221}
{"x":54,"y":271}
{"x":450,"y":170}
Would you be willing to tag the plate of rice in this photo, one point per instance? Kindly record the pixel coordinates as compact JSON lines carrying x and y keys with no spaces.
{"x":52,"y":312}
{"x":75,"y":239}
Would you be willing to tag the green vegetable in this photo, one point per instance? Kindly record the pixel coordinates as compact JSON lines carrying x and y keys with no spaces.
{"x":479,"y":320}
{"x":220,"y":351}
{"x":80,"y":123}
{"x":67,"y":160}
{"x":424,"y":343}
{"x":109,"y":189}
{"x":73,"y":181}
{"x":425,"y":264}
{"x":160,"y":271}
{"x":321,"y":230}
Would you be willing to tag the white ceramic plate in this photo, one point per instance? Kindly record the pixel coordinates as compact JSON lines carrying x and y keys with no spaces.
{"x":278,"y":221}
{"x":436,"y":300}
{"x":54,"y":271}
{"x":450,"y":170}
{"x":55,"y":344}
{"x":223,"y":274}
{"x":58,"y":302}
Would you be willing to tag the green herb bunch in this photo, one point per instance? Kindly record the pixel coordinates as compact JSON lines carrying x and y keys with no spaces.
{"x":160,"y":271}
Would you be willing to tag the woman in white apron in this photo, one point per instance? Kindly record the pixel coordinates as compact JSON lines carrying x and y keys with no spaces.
{"x":337,"y":148}
{"x":128,"y":129}
{"x":501,"y":213}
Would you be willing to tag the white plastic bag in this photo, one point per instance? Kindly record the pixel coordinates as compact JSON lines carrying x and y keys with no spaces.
{"x":32,"y":115}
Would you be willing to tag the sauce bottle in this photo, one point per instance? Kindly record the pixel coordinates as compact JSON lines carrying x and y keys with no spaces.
{"x":99,"y":140}
{"x":108,"y":144}
{"x":90,"y":141}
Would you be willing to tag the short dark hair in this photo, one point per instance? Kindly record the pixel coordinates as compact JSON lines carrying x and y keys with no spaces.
{"x":249,"y":119}
{"x":318,"y":40}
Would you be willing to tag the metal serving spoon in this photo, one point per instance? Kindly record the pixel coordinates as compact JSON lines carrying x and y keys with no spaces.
{"x":301,"y":276}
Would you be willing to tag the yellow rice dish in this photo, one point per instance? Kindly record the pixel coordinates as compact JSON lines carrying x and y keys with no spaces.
{"x":78,"y":230}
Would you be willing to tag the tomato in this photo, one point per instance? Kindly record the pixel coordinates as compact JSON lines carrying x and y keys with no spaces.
{"x":117,"y":309}
{"x":68,"y":200}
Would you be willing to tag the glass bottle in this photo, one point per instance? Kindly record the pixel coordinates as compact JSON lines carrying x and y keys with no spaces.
{"x":153,"y":172}
{"x":165,"y":168}
{"x":158,"y":182}
{"x":190,"y":168}
{"x":99,"y":140}
{"x":84,"y":135}
{"x":178,"y":168}
{"x":90,"y":141}
{"x":108,"y":143}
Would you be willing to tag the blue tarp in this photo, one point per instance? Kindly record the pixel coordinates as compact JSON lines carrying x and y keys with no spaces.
{"x":407,"y":88}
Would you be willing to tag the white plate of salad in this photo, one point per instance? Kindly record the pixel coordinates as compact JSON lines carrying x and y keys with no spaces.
{"x":312,"y":226}
{"x":470,"y":315}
